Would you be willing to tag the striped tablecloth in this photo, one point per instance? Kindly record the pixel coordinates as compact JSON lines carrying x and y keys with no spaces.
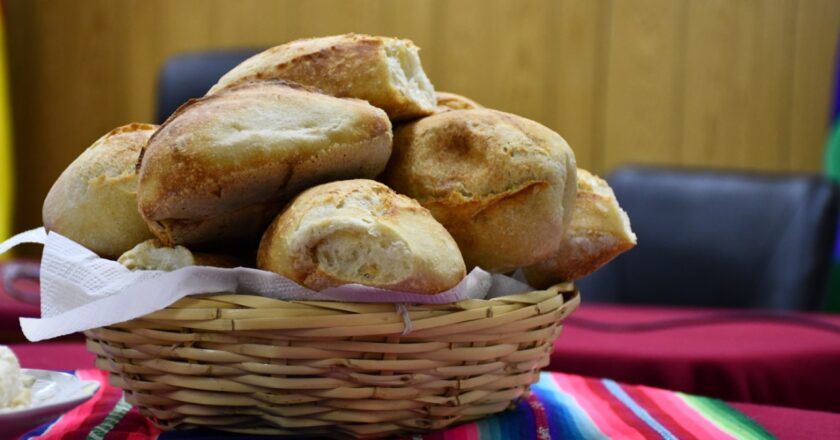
{"x":561,"y":406}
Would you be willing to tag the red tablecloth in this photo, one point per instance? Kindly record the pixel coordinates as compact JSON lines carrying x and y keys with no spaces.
{"x":793,"y":424}
{"x":788,"y":360}
{"x":63,"y":355}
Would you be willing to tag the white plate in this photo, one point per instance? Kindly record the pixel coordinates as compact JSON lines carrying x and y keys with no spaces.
{"x":53,"y":394}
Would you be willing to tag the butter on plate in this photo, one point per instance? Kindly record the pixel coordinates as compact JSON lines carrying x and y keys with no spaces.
{"x":15,"y":387}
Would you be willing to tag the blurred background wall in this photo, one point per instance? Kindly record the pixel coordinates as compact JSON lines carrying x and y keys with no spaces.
{"x":742,"y":84}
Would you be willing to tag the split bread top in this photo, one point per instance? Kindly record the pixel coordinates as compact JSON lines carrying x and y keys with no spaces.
{"x":386,"y":72}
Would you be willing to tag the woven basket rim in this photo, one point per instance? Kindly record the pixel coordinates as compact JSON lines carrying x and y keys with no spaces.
{"x":194,"y":299}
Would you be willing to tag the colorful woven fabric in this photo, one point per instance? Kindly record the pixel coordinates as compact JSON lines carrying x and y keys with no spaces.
{"x":561,"y":406}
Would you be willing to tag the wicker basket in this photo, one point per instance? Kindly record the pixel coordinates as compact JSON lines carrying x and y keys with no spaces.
{"x":252,"y":364}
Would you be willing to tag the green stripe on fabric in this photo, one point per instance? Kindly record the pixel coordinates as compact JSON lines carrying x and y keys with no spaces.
{"x":736,"y":417}
{"x":120,"y":410}
{"x":727,"y":418}
{"x":488,"y":428}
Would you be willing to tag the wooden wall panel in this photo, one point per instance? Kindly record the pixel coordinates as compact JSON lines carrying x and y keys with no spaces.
{"x":644,"y":72}
{"x":738,"y":100}
{"x":772,"y":75}
{"x":695,"y":82}
{"x":515,"y":61}
{"x":459,"y":50}
{"x":267,"y":22}
{"x":151,"y":37}
{"x":576,"y":68}
{"x":326,"y":17}
{"x":414,"y":20}
{"x":717,"y":83}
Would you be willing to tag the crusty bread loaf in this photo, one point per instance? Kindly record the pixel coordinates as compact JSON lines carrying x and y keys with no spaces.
{"x":153,"y":255}
{"x":94,"y":200}
{"x":599,"y":231}
{"x":221,"y":167}
{"x":504,"y":186}
{"x":360,"y":231}
{"x":447,"y":101}
{"x":383,"y":71}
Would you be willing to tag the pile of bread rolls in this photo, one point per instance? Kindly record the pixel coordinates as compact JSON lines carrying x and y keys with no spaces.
{"x":332,"y":161}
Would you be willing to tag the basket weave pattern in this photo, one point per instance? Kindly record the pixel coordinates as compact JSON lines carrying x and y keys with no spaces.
{"x":258,"y":365}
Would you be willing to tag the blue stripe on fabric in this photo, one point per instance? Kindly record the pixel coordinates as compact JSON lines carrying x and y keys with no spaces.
{"x":488,"y":428}
{"x":561,"y":421}
{"x":566,"y":418}
{"x":491,"y":427}
{"x":640,"y":412}
{"x":39,"y":430}
{"x":515,"y":425}
{"x":528,"y":427}
{"x":506,"y":425}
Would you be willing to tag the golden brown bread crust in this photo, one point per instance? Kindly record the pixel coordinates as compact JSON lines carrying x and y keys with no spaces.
{"x":447,"y":101}
{"x":219,"y":170}
{"x":599,"y":232}
{"x":383,"y":71}
{"x":94,"y":201}
{"x":361,"y":231}
{"x":502,"y":185}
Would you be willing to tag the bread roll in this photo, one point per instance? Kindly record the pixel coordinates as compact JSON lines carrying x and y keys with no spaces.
{"x":599,"y":231}
{"x":94,"y":201}
{"x":221,"y":167}
{"x":360,"y":231}
{"x":447,"y":101}
{"x":153,"y":255}
{"x":504,"y":186}
{"x":383,"y":71}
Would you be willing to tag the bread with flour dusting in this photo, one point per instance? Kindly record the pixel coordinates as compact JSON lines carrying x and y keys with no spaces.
{"x":361,"y":231}
{"x":502,"y":185}
{"x":94,"y":201}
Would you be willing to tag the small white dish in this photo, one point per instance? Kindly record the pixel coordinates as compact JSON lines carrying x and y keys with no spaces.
{"x":53,"y":394}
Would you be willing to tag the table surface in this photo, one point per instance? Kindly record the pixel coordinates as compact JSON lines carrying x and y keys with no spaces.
{"x":785,"y":423}
{"x":781,"y":359}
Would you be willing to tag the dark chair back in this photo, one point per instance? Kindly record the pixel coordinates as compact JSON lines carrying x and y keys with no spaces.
{"x":721,"y":239}
{"x":190,"y":75}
